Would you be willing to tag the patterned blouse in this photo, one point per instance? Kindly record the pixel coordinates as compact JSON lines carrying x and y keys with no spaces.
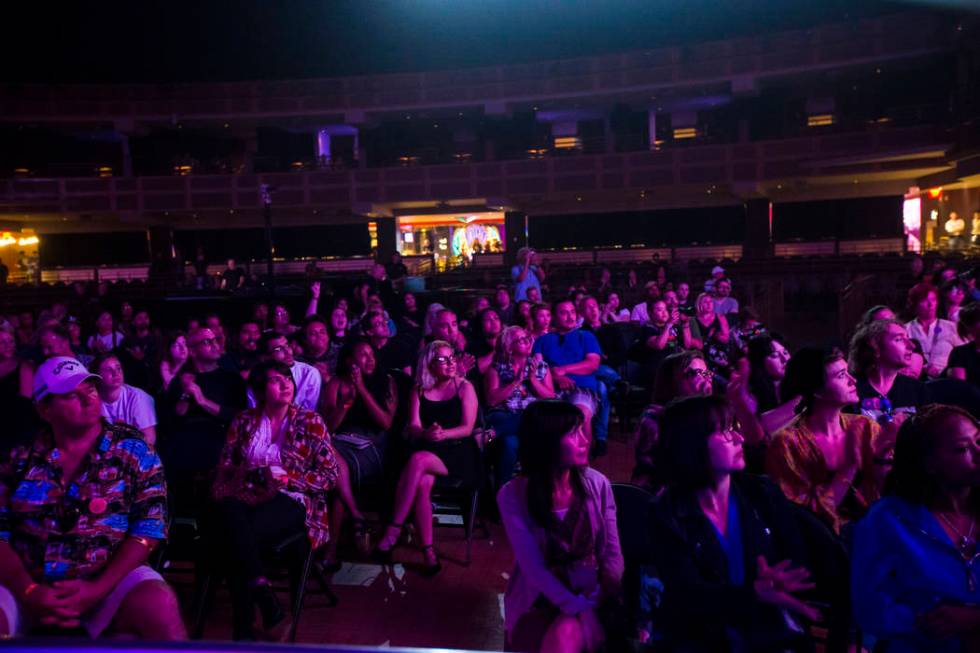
{"x":523,"y":395}
{"x":73,"y":531}
{"x":794,"y":460}
{"x":306,"y":456}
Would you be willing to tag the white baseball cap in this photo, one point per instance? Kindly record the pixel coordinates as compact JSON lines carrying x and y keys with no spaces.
{"x":59,"y":375}
{"x":717,"y":270}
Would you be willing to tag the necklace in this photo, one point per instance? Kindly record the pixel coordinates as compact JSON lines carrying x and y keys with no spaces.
{"x":965,"y":543}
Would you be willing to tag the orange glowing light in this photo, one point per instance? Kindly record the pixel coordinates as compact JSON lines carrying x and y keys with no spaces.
{"x":936,"y":193}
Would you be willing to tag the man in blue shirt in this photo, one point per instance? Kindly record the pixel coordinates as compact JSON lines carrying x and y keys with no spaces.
{"x":574,"y":356}
{"x":526,"y":274}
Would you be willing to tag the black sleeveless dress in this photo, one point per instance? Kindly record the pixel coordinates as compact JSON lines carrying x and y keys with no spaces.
{"x":461,"y":456}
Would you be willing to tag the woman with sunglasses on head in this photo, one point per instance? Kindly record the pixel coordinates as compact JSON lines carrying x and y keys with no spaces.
{"x":512,"y":383}
{"x":916,"y":563}
{"x":442,"y":414}
{"x":733,"y":554}
{"x":274,"y":477}
{"x":827,"y":460}
{"x":560,"y":518}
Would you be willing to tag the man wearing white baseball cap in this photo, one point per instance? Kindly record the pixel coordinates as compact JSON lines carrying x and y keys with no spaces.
{"x":98,"y":492}
{"x":717,"y":273}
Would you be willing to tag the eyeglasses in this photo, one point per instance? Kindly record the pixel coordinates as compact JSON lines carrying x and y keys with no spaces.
{"x":210,"y":342}
{"x":729,"y":434}
{"x":278,"y":348}
{"x":444,"y":360}
{"x":693,"y":374}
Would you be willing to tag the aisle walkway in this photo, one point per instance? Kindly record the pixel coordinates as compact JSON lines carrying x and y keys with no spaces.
{"x":459,"y":608}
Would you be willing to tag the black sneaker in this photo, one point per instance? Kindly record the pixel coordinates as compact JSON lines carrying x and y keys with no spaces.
{"x":599,"y":448}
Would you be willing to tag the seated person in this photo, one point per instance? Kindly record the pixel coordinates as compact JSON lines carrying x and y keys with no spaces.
{"x":194,"y":417}
{"x":442,"y":413}
{"x":512,"y":383}
{"x":445,"y":327}
{"x":121,"y":402}
{"x":915,"y":562}
{"x":391,"y":353}
{"x":540,"y":320}
{"x":359,"y":405}
{"x":246,"y":354}
{"x":937,"y":336}
{"x":276,"y":470}
{"x":878,"y":353}
{"x":642,"y":313}
{"x":275,"y":346}
{"x":73,"y":548}
{"x":733,"y":554}
{"x":560,"y":519}
{"x":483,"y":344}
{"x":767,"y":356}
{"x":829,"y":461}
{"x":964,"y":360}
{"x":574,"y":356}
{"x":666,"y":333}
{"x":16,"y":373}
{"x":316,"y":347}
{"x":174,"y":356}
{"x":683,"y":374}
{"x":711,"y":335}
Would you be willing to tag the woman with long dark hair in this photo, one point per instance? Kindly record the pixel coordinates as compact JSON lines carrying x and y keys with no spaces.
{"x":767,"y":364}
{"x":560,"y":518}
{"x":358,"y":406}
{"x":916,"y":563}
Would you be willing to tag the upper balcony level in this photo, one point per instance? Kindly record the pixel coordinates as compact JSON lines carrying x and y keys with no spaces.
{"x":740,"y":62}
{"x":876,"y":161}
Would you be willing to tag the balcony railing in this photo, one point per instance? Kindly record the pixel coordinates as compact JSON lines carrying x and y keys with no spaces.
{"x":696,"y":166}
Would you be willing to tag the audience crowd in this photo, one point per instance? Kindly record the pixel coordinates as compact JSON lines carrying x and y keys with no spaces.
{"x":790,"y":493}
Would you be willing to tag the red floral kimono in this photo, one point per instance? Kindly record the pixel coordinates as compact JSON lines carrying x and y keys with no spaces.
{"x":306,"y":455}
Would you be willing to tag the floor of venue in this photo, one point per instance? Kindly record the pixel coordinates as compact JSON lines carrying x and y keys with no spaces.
{"x":461,"y":607}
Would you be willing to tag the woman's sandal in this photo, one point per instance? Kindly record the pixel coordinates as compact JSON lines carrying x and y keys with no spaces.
{"x":430,"y":569}
{"x":383,"y":556}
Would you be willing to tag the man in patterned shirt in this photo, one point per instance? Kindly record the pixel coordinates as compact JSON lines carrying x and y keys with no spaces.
{"x":80,"y":511}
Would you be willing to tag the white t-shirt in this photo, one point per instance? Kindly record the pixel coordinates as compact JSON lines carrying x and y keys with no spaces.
{"x":640,"y":313}
{"x":133,"y":407}
{"x":107,"y":342}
